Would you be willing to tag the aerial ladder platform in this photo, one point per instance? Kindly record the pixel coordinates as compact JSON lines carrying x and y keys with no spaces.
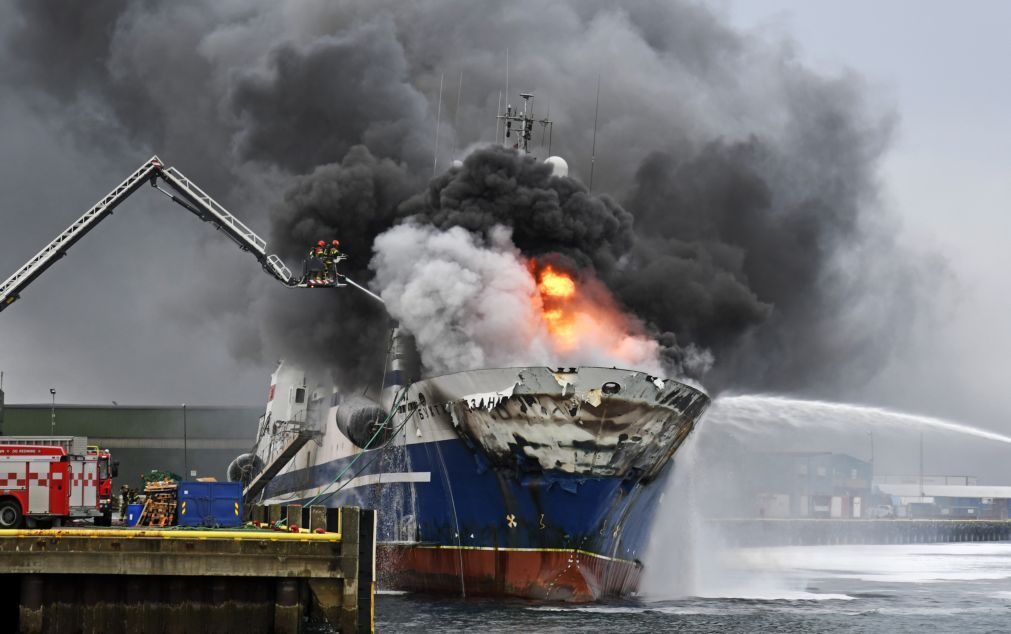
{"x":185,"y":193}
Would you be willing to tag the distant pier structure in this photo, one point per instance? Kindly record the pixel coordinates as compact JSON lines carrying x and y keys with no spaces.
{"x":826,"y":532}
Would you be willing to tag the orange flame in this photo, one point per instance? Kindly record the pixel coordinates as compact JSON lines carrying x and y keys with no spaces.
{"x":555,"y":284}
{"x":585,"y":315}
{"x":557,"y":291}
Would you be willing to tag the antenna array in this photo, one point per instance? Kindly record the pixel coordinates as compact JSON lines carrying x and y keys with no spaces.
{"x":519,"y":125}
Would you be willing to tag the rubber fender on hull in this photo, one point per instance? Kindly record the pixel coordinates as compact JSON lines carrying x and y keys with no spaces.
{"x":359,"y":417}
{"x":244,"y":468}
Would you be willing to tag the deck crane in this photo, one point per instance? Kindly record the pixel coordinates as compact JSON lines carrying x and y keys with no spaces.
{"x":185,"y":193}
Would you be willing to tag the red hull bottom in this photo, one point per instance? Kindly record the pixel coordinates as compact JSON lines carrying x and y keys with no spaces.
{"x":556,"y":575}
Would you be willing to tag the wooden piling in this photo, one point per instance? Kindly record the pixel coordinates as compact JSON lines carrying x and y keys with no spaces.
{"x":350,"y":519}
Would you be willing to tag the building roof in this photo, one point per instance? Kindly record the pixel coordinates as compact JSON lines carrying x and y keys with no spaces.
{"x":946,"y":490}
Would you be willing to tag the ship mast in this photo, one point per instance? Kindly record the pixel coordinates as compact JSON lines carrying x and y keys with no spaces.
{"x":519,"y":125}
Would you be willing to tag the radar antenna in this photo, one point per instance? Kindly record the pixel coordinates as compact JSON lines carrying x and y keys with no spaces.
{"x":519,"y":124}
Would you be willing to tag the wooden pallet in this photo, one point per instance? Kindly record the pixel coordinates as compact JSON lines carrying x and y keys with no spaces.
{"x":160,"y":506}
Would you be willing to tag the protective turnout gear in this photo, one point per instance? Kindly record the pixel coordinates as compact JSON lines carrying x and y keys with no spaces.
{"x":317,"y":259}
{"x":323,"y":261}
{"x":334,"y":253}
{"x":333,"y":256}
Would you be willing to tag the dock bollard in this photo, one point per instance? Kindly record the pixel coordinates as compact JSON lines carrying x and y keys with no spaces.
{"x":274,"y":514}
{"x":294,"y":517}
{"x":317,"y":518}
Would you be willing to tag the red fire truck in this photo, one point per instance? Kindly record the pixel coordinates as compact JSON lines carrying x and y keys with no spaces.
{"x":49,"y":480}
{"x":107,"y":470}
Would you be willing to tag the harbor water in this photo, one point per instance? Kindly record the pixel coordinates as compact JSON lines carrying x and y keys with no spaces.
{"x":891,"y":588}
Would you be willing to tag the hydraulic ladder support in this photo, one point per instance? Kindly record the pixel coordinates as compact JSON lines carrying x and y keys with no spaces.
{"x":187,"y":195}
{"x":10,"y":290}
{"x":209,"y":210}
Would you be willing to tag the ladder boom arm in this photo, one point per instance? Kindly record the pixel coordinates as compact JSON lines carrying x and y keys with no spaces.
{"x":206,"y":208}
{"x":11,"y":289}
{"x":186,"y":194}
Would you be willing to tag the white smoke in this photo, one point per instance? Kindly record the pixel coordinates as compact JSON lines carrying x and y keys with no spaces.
{"x":468,"y":305}
{"x":474,"y":305}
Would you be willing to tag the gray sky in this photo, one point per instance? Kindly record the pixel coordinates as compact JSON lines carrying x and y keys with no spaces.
{"x":942,"y":66}
{"x":127,"y":316}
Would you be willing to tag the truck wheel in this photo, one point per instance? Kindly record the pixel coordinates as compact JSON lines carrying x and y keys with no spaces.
{"x":10,"y":514}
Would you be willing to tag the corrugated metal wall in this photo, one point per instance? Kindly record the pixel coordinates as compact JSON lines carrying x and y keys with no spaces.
{"x":143,"y":438}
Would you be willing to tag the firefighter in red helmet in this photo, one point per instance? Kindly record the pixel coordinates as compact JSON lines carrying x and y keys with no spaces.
{"x":317,"y":264}
{"x":335,"y":251}
{"x":333,"y":256}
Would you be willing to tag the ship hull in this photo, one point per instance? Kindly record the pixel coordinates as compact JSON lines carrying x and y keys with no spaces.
{"x":512,"y":482}
{"x":556,"y":575}
{"x":451,"y":524}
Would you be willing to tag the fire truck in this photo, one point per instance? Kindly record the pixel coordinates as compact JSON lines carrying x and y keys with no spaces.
{"x":107,"y":470}
{"x":47,"y":480}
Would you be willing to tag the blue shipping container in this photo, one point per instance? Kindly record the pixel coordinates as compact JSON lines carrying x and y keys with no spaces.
{"x":211,"y":504}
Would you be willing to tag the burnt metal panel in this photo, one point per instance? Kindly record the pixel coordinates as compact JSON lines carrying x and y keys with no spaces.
{"x":592,"y":421}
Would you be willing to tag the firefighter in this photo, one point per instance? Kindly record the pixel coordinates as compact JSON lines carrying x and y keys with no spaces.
{"x":317,"y":264}
{"x":335,"y":250}
{"x":333,"y":256}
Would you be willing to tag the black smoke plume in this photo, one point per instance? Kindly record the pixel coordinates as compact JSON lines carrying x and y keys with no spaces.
{"x":735,"y":201}
{"x":547,"y":214}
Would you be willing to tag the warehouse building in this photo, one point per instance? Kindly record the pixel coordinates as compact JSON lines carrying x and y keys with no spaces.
{"x":201,"y":440}
{"x":808,"y":484}
{"x":944,"y":497}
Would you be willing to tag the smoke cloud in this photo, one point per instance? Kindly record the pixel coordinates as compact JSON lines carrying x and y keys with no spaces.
{"x":547,"y":214}
{"x":474,"y":304}
{"x":734,"y":211}
{"x":461,"y":299}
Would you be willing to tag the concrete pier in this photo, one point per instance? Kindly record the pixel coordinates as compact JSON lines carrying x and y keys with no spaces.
{"x":810,"y":532}
{"x":180,"y":580}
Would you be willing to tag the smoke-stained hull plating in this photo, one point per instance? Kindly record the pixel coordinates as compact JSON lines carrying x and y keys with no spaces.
{"x":525,"y":482}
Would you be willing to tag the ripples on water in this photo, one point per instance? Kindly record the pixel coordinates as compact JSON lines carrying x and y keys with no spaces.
{"x":921,"y":588}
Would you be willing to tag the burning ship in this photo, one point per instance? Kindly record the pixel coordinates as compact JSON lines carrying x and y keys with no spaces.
{"x":537,"y":482}
{"x":533,"y":481}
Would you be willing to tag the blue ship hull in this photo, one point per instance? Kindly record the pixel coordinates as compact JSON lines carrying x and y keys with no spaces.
{"x":531,"y":482}
{"x":467,"y":505}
